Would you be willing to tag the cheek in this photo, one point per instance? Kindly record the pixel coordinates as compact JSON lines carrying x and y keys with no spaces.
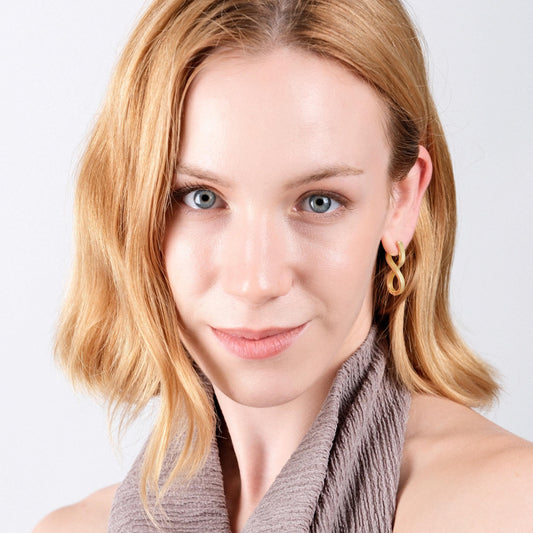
{"x":347,"y":248}
{"x":187,"y":256}
{"x":341,"y":273}
{"x":340,"y":263}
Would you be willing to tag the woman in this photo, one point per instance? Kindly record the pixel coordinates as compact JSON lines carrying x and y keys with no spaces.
{"x":266,"y":219}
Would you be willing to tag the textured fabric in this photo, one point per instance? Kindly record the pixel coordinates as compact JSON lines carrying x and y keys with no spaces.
{"x":343,"y":477}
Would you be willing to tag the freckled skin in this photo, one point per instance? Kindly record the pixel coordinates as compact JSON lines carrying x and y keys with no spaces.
{"x":260,"y":257}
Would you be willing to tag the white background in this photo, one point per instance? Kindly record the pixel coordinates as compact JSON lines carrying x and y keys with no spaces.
{"x":57,"y":57}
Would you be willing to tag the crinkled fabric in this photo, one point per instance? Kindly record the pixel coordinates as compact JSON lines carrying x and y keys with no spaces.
{"x":343,"y":477}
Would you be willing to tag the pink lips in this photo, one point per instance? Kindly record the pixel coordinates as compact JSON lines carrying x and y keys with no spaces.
{"x":253,"y":344}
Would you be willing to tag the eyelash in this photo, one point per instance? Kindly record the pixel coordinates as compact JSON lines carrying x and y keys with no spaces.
{"x":341,"y":200}
{"x":177,"y":196}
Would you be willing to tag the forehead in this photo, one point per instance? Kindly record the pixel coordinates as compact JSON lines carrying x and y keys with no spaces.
{"x":280,"y":111}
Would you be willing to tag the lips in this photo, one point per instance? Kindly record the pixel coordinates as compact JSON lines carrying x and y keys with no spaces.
{"x":257,"y":344}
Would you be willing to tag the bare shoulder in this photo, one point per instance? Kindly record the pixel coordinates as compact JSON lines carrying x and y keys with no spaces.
{"x":90,"y":515}
{"x":461,"y":472}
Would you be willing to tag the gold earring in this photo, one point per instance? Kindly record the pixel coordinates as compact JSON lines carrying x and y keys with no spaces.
{"x":395,"y":271}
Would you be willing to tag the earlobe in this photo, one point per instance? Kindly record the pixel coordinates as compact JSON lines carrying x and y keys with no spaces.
{"x":407,"y":198}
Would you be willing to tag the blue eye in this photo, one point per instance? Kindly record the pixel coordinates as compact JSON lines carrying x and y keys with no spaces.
{"x":320,"y":203}
{"x":200,"y":199}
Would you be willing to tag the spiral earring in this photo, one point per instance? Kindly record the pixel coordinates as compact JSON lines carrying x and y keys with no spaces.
{"x":395,"y":271}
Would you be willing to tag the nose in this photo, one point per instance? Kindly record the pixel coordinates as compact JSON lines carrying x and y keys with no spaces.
{"x":255,"y":259}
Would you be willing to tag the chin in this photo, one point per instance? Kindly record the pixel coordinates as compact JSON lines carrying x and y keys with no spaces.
{"x":259,"y":387}
{"x":260,"y":395}
{"x":301,"y":371}
{"x":259,"y":401}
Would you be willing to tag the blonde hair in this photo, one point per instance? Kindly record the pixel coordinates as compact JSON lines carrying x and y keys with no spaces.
{"x":119,"y":333}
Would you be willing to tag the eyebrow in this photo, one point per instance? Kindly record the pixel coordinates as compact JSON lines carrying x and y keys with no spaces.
{"x":330,"y":171}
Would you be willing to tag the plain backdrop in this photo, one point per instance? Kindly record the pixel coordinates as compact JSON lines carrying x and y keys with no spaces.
{"x":56,"y":60}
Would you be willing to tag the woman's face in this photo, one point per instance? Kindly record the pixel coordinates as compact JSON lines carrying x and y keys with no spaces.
{"x":281,"y":200}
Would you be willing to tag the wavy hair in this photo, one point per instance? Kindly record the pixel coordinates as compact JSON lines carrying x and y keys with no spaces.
{"x":119,"y":332}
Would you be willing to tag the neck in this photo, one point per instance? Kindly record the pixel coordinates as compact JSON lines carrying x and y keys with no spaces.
{"x":260,"y":440}
{"x":256,"y":443}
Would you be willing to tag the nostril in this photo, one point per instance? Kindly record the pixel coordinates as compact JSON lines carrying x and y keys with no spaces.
{"x":254,"y":260}
{"x":257,"y":286}
{"x":257,"y":281}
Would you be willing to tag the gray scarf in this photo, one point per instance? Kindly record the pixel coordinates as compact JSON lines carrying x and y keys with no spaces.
{"x":343,"y":477}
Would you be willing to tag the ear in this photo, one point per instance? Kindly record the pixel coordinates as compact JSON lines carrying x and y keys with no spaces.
{"x":405,"y":203}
